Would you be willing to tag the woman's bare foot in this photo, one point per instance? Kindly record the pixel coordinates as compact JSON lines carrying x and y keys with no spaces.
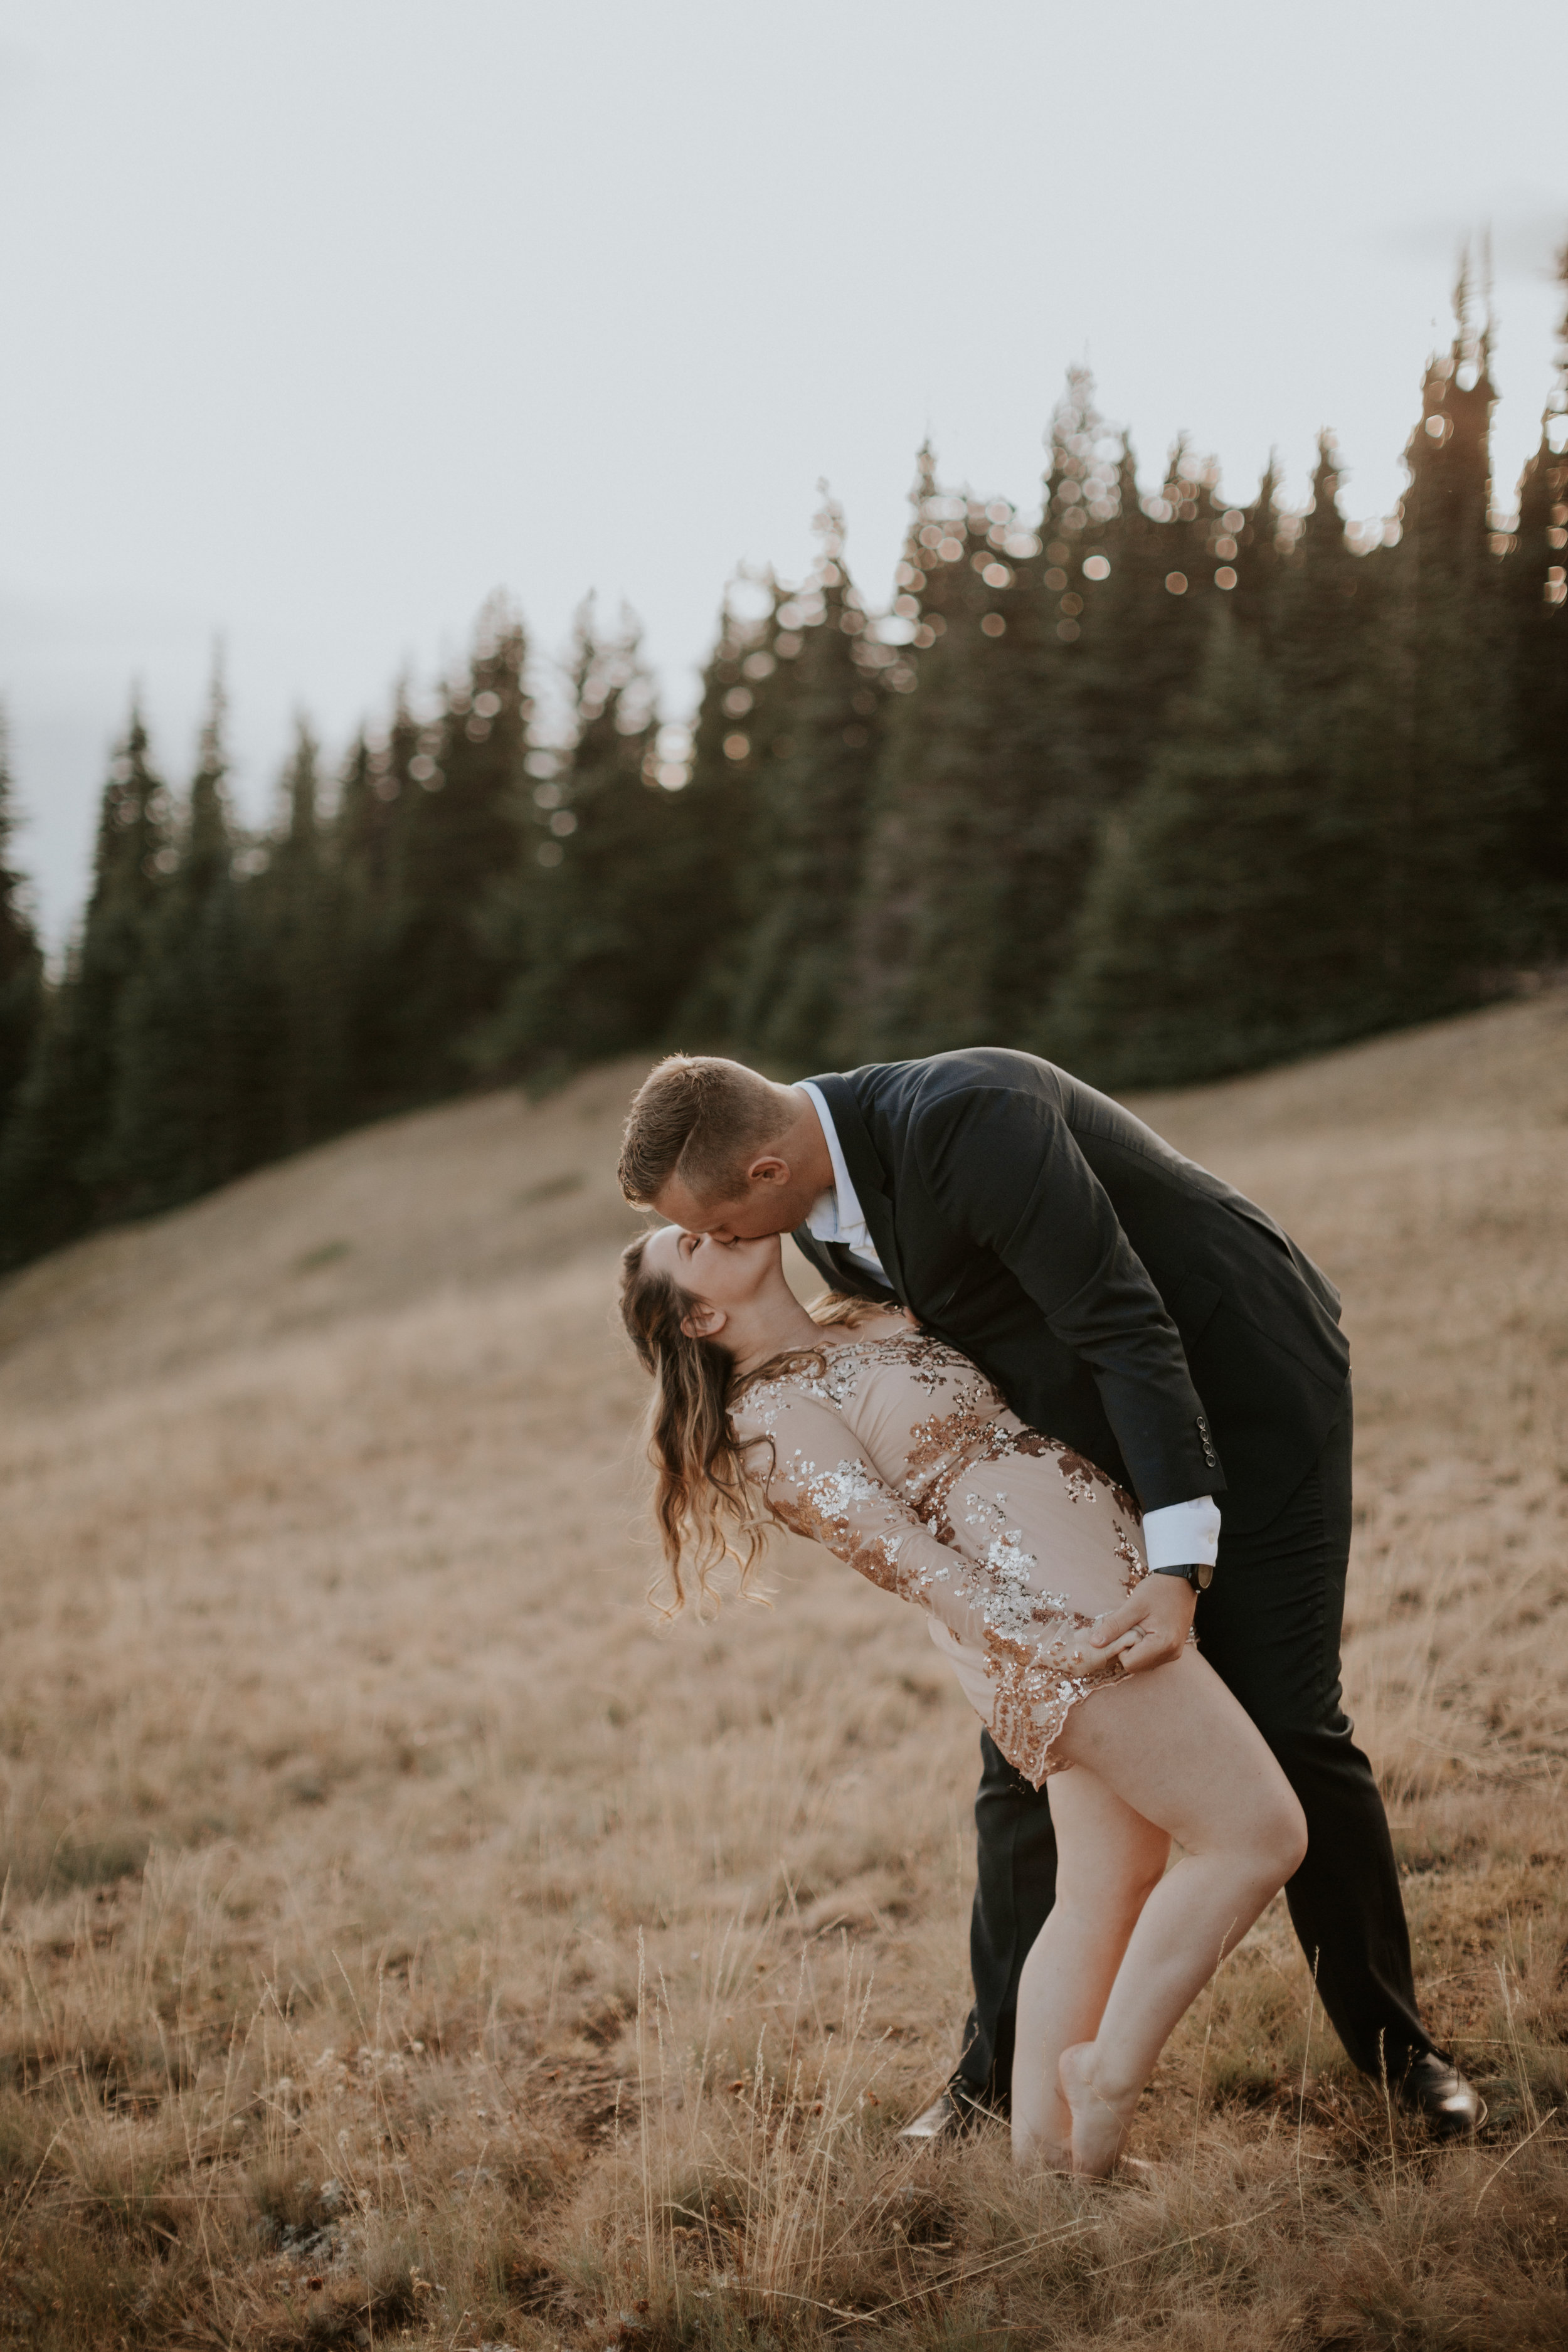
{"x":1100,"y":2122}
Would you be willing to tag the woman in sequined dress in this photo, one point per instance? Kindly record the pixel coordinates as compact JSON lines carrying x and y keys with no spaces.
{"x":853,"y":1426}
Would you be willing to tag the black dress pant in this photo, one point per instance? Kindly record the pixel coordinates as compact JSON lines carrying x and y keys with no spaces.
{"x":1269,"y":1625}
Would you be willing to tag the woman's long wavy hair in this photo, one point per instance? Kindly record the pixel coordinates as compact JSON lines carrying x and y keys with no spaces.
{"x":710,"y":1501}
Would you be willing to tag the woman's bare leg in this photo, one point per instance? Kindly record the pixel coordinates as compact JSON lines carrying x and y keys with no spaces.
{"x":1176,"y":1747}
{"x":1108,"y":1861}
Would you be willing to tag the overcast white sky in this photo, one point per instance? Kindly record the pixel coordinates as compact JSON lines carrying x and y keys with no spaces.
{"x":324,"y":318}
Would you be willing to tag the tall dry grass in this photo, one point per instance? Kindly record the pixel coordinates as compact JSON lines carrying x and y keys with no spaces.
{"x":402,"y":1943}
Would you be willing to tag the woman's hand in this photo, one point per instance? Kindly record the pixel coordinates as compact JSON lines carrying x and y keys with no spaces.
{"x":1149,"y":1628}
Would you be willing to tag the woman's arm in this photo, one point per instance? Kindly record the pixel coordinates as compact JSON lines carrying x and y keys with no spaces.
{"x":822,"y":1486}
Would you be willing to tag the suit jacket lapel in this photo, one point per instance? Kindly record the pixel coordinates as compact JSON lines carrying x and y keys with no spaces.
{"x":866,"y":1173}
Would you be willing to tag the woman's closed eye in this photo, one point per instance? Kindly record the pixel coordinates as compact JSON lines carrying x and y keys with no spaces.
{"x":689,"y":1243}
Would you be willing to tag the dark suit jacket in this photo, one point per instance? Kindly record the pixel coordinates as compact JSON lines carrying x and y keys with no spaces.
{"x":1105,"y":1283}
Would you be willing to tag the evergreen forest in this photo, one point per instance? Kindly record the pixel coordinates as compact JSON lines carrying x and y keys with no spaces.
{"x":1157,"y":784}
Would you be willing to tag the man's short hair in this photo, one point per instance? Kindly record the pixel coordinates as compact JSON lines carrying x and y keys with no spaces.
{"x":697,"y":1120}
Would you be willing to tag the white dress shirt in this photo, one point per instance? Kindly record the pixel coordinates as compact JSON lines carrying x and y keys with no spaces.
{"x":1179,"y":1535}
{"x":835,"y":1215}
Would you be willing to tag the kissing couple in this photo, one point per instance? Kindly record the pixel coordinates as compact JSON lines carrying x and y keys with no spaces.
{"x":1090,"y":1409}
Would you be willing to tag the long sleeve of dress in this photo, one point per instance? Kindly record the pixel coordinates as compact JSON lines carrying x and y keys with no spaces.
{"x":898,"y":1456}
{"x":822,"y":1486}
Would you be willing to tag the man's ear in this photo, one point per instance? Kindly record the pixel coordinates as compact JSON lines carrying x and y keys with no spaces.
{"x":768,"y":1169}
{"x":703,"y":1322}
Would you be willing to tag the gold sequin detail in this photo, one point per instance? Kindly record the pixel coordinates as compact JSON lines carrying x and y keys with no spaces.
{"x":901,"y":1457}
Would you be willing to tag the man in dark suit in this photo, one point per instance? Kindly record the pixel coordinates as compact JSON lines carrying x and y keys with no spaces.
{"x":1140,"y":1309}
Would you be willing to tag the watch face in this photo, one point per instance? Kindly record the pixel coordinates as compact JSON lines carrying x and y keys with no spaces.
{"x":1204,"y":1576}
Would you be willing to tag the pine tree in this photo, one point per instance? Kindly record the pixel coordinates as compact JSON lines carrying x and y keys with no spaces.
{"x":186,"y":1113}
{"x":58,"y":1172}
{"x":964,"y":880}
{"x":1315,"y":852}
{"x":21,"y":961}
{"x":742,"y":714}
{"x":600,"y":923}
{"x":295,"y":910}
{"x":1317,"y":626}
{"x":460,"y":800}
{"x":1244,"y":549}
{"x":1146,"y":627}
{"x":795,"y":1002}
{"x":1235,"y":915}
{"x":1063,"y":790}
{"x":931,"y":871}
{"x":1534,"y":599}
{"x":377,"y":781}
{"x":1437,"y":664}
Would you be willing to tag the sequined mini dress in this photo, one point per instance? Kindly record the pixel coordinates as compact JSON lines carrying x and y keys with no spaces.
{"x":901,"y":1457}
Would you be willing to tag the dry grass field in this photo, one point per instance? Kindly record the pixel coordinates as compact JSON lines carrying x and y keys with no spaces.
{"x":404,"y":1942}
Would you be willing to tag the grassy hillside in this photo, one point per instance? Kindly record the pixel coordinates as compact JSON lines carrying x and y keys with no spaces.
{"x":404,"y":1941}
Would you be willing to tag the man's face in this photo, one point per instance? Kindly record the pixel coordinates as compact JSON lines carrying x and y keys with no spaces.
{"x":774,"y":1202}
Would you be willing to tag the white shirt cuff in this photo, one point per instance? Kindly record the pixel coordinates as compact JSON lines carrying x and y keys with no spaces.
{"x":1182,"y":1535}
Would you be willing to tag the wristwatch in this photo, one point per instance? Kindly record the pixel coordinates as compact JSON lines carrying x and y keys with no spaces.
{"x":1199,"y":1574}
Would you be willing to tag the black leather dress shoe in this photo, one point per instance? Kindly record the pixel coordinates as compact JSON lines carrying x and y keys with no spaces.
{"x":1450,"y":2107}
{"x":950,"y":2114}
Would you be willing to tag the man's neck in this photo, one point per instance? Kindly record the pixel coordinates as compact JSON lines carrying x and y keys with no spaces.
{"x":809,"y":1155}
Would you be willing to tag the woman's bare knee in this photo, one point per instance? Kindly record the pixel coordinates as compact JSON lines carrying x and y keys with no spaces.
{"x":1285,"y":1835}
{"x":1269,"y":1840}
{"x":1176,"y":1747}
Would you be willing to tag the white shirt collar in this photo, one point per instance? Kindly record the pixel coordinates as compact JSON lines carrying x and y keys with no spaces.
{"x":835,"y":1216}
